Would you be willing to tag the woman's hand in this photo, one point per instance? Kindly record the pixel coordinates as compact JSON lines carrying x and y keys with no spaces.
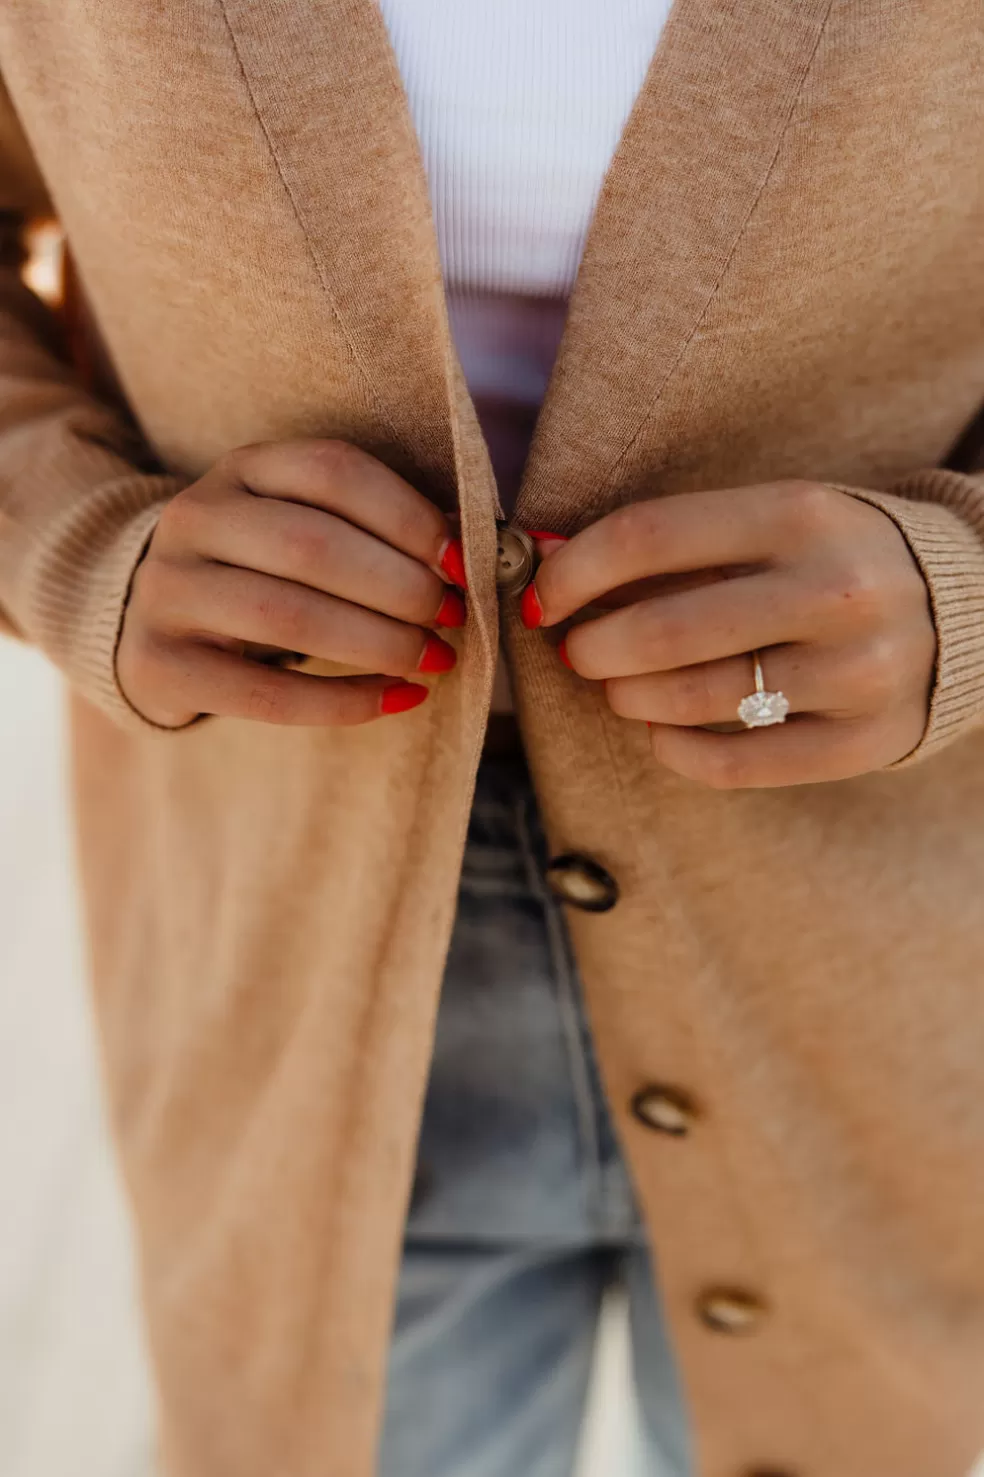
{"x":308,"y":547}
{"x":821,"y":583}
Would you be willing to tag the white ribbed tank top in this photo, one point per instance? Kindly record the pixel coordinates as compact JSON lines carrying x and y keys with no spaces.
{"x":518,"y":105}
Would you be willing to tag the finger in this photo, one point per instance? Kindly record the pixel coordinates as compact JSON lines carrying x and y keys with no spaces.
{"x":206,"y":679}
{"x":218,"y":601}
{"x":681,"y":630}
{"x":311,"y":547}
{"x":342,"y":479}
{"x":831,"y":682}
{"x":690,"y":531}
{"x":803,"y":751}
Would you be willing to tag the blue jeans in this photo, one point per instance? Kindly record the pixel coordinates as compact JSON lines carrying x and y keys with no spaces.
{"x":523,"y":1214}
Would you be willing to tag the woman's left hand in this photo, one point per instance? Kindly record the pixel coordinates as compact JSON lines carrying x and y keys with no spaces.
{"x":820,"y":583}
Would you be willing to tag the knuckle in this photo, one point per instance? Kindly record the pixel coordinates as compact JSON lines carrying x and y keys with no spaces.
{"x":691,"y":698}
{"x":181,"y":518}
{"x":236,"y":468}
{"x":424,"y":594}
{"x":306,"y":549}
{"x":863,"y":587}
{"x":151,"y":672}
{"x":867,"y":744}
{"x":878,"y":673}
{"x":723,"y":767}
{"x":266,"y":703}
{"x":635,"y":525}
{"x":855,"y":591}
{"x":806,"y":509}
{"x":284,"y":616}
{"x":417,"y":522}
{"x":334,"y":459}
{"x":232,"y":466}
{"x":351,"y":705}
{"x":850,"y":590}
{"x":661,"y":631}
{"x":154,"y":587}
{"x":618,"y":695}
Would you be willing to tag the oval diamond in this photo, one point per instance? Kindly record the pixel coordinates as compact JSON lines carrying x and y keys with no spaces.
{"x":762,"y":709}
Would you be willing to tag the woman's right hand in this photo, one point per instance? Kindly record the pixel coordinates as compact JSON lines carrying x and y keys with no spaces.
{"x":299,"y":546}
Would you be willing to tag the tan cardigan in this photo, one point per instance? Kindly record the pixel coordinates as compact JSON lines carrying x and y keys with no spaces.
{"x":785,"y":278}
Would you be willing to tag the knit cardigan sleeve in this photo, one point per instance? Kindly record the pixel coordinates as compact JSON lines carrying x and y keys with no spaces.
{"x":940,"y":514}
{"x":79,"y":493}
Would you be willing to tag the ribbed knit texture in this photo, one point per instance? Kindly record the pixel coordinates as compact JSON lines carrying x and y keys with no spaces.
{"x":75,"y":512}
{"x":518,"y":106}
{"x":940,"y":514}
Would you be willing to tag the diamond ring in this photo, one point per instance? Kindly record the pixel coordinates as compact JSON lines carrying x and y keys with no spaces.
{"x":761,"y":709}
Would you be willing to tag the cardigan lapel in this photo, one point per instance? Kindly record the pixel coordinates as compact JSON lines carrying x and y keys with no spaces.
{"x":324,"y":82}
{"x":327,"y":91}
{"x":694,"y":158}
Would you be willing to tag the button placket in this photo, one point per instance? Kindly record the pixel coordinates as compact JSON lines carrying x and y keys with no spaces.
{"x":583,"y":883}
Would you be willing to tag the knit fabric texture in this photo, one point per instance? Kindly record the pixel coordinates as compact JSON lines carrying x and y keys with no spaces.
{"x":784,"y":277}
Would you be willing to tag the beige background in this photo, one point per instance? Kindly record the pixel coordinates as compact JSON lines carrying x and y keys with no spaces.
{"x":74,"y":1396}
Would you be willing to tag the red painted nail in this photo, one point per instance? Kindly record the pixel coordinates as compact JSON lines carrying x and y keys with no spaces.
{"x":452,"y":561}
{"x":438,"y":656}
{"x":452,"y":610}
{"x":562,"y":653}
{"x":400,"y":697}
{"x":544,"y":537}
{"x":530,"y":609}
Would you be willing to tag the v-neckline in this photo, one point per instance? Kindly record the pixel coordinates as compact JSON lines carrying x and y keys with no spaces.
{"x":692,"y":160}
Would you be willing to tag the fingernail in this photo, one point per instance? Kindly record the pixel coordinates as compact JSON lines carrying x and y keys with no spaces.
{"x":562,"y":653}
{"x":452,"y":611}
{"x":452,"y":561}
{"x":542,"y":537}
{"x":530,"y":609}
{"x":400,"y":697}
{"x":438,"y":656}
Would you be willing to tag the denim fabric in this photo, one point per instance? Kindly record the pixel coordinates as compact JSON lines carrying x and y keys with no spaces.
{"x":523,"y":1213}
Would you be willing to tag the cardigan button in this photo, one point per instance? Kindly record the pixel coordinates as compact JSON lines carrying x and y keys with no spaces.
{"x":666,"y":1109}
{"x":730,"y":1310}
{"x":515,"y":559}
{"x":577,"y":880}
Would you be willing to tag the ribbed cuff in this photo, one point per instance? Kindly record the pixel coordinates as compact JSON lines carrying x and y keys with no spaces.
{"x":940,"y":515}
{"x":80,"y":582}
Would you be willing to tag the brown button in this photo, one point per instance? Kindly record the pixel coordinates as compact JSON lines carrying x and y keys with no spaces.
{"x":582,"y":883}
{"x":666,"y":1109}
{"x":730,"y":1310}
{"x":515,"y":559}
